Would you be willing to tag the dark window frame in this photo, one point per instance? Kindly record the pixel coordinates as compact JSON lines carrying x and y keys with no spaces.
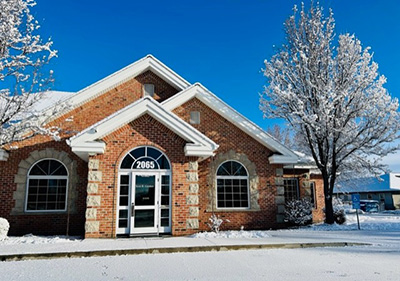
{"x":291,"y":189}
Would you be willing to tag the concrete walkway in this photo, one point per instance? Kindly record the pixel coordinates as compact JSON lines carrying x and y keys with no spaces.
{"x":151,"y":245}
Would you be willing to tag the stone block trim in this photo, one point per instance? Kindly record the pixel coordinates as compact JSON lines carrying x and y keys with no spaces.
{"x":91,"y":214}
{"x":192,"y":200}
{"x":95,"y":176}
{"x":192,"y":177}
{"x":93,"y":201}
{"x":194,"y":211}
{"x":21,"y":178}
{"x":192,"y":223}
{"x":280,"y":190}
{"x":194,"y":188}
{"x":92,"y":187}
{"x":93,"y":164}
{"x":280,"y":218}
{"x":279,"y":200}
{"x":92,"y":226}
{"x":193,"y":166}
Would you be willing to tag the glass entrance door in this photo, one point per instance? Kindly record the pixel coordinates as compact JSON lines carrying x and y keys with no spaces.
{"x":150,"y":203}
{"x":144,"y":204}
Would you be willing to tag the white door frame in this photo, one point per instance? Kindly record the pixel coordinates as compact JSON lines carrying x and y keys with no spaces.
{"x":157,"y":207}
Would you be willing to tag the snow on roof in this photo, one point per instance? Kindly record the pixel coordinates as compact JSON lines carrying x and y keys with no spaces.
{"x":387,"y":182}
{"x":50,"y":98}
{"x":304,"y":158}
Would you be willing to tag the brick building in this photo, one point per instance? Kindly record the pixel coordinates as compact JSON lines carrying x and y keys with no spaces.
{"x":145,"y":152}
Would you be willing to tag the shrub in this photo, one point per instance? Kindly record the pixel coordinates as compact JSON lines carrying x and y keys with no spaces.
{"x":4,"y":227}
{"x":215,"y":223}
{"x":338,"y":210}
{"x":298,"y":211}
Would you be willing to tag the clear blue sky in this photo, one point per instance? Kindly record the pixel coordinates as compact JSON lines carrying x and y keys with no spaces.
{"x":221,"y":44}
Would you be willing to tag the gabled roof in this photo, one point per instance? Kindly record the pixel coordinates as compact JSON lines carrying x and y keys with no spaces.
{"x":149,"y":62}
{"x":89,"y":141}
{"x":284,"y":155}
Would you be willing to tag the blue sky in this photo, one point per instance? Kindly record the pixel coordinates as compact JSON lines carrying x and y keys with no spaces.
{"x":221,"y":44}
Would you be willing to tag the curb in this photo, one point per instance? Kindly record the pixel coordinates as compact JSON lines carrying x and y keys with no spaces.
{"x":189,"y":249}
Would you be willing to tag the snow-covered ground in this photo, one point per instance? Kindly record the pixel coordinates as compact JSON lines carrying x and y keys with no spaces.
{"x":376,"y":262}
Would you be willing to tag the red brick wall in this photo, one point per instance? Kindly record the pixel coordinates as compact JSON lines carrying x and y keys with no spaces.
{"x":304,"y":176}
{"x":318,"y":213}
{"x":114,"y":100}
{"x":41,"y":223}
{"x":143,"y":131}
{"x":229,"y":137}
{"x":83,"y":116}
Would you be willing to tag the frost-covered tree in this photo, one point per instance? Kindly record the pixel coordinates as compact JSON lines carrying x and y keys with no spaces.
{"x":280,"y":134}
{"x":332,"y":96}
{"x":23,"y":79}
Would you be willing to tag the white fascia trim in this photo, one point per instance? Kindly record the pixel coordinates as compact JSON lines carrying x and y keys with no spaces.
{"x":300,"y":166}
{"x":196,"y":150}
{"x":211,"y":100}
{"x":3,"y":155}
{"x":84,"y":150}
{"x":149,"y":62}
{"x":146,"y":105}
{"x":95,"y":147}
{"x":282,"y":159}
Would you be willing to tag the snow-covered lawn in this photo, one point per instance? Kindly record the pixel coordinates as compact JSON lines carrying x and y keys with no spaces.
{"x":376,"y":262}
{"x":233,"y":234}
{"x":373,"y":222}
{"x":33,"y":239}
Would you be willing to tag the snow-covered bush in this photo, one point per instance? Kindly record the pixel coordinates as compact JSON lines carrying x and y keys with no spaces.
{"x":215,"y":222}
{"x":4,"y":227}
{"x":338,"y":210}
{"x":298,"y":211}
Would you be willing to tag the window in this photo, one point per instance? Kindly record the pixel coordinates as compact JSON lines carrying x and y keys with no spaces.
{"x":47,"y":186}
{"x":145,"y":158}
{"x":148,"y":90}
{"x":291,"y":189}
{"x":232,"y":185}
{"x":194,"y":117}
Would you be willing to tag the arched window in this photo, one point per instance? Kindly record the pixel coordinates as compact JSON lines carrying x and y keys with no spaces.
{"x":47,"y":186}
{"x":147,"y":158}
{"x":232,"y":185}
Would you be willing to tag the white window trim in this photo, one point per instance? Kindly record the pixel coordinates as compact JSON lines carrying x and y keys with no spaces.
{"x":136,"y":159}
{"x":28,"y":177}
{"x":131,"y":173}
{"x":232,"y":177}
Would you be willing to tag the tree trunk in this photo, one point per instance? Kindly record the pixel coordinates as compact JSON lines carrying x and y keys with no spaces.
{"x":329,"y":218}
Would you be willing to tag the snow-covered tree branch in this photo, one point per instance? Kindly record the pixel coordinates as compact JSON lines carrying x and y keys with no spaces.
{"x":23,"y":79}
{"x":332,"y":96}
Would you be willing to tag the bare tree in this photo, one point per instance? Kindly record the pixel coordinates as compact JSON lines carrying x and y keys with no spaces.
{"x":332,"y":96}
{"x":23,"y":79}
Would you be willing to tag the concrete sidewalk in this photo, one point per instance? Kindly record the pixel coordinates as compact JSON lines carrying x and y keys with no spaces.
{"x":151,"y":245}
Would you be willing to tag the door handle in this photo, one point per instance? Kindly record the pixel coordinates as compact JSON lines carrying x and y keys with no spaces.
{"x":132,"y":209}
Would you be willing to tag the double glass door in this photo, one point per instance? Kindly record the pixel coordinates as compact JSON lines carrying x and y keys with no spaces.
{"x":150,"y":211}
